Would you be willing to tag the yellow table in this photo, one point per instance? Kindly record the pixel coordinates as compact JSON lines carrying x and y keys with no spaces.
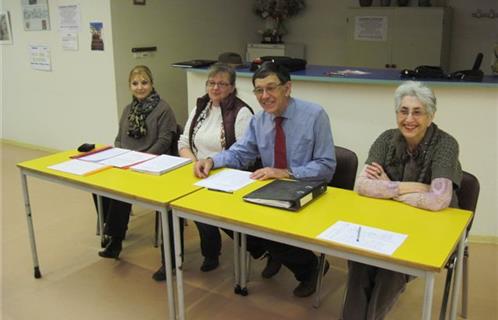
{"x":155,"y":192}
{"x":432,"y":236}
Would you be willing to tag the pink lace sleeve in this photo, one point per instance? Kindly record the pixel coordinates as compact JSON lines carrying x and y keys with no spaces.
{"x":438,"y":197}
{"x":384,"y":189}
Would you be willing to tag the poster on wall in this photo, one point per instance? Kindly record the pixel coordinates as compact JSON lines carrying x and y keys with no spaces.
{"x":97,"y":41}
{"x":40,"y":57}
{"x":69,"y":41}
{"x":35,"y":15}
{"x":5,"y":30}
{"x":370,"y":28}
{"x":69,"y":17}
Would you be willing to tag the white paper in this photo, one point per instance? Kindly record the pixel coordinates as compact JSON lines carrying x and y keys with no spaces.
{"x":370,"y":28}
{"x":161,"y":164}
{"x":35,"y":15}
{"x":69,"y":41}
{"x":105,"y":154}
{"x":128,"y":159}
{"x":363,"y":237}
{"x":40,"y":57}
{"x":228,"y":180}
{"x":78,"y":167}
{"x":69,"y":17}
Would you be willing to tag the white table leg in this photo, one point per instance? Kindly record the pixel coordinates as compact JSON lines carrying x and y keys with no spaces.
{"x":458,"y":279}
{"x":31,"y":230}
{"x":167,"y":259}
{"x":236,"y":262}
{"x":243,"y":271}
{"x":429,"y":292}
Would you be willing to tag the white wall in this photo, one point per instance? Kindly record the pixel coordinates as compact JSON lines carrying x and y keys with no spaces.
{"x":76,"y":101}
{"x":181,"y":30}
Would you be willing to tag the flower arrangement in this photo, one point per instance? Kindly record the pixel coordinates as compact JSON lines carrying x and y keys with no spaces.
{"x":275,"y":12}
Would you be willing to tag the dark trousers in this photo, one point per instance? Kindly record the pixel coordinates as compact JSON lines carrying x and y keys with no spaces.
{"x":105,"y":205}
{"x":371,"y":291}
{"x":210,"y":240}
{"x":301,"y":262}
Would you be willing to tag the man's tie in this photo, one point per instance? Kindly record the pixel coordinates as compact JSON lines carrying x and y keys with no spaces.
{"x":280,"y":151}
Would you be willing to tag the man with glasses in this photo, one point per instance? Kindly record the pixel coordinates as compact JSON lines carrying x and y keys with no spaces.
{"x":294,"y":140}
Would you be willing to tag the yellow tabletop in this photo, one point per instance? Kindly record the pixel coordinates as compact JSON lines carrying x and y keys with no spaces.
{"x":432,"y":236}
{"x":134,"y":185}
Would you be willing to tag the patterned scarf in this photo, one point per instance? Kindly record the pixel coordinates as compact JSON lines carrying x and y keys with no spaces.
{"x":402,"y":165}
{"x":139,"y":112}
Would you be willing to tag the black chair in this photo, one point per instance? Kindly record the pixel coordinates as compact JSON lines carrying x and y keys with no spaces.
{"x":344,"y":178}
{"x":467,"y":195}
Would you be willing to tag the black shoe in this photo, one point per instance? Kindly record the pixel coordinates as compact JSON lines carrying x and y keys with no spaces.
{"x":210,"y":264}
{"x":272,"y":267}
{"x":160,"y":274}
{"x":105,"y":241}
{"x":308,"y":287}
{"x":112,"y":249}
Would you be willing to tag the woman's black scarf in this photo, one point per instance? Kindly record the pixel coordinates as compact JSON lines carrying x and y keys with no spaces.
{"x":139,"y":112}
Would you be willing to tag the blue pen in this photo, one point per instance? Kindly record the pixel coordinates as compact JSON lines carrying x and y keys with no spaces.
{"x":358,"y":234}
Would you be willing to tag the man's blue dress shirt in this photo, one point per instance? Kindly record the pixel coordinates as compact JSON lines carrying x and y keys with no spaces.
{"x":309,"y":143}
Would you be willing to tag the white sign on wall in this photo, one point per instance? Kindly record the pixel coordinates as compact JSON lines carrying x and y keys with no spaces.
{"x":40,"y":57}
{"x":370,"y":28}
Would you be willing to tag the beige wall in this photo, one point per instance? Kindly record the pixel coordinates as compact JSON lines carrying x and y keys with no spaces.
{"x":322,"y":28}
{"x":73,"y":103}
{"x":181,"y":30}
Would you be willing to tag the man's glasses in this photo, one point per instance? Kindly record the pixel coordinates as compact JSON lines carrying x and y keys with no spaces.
{"x":221,"y":84}
{"x":405,"y":112}
{"x":270,"y":89}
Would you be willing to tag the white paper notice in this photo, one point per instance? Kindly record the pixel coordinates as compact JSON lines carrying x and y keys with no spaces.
{"x":69,"y":17}
{"x":370,"y":28}
{"x":363,"y":237}
{"x":40,"y":57}
{"x":69,"y":41}
{"x":228,"y":180}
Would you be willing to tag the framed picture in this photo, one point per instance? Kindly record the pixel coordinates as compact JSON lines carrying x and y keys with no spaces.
{"x":139,"y":2}
{"x":5,"y":30}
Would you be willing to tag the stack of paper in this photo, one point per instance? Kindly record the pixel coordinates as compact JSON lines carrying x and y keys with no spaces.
{"x":78,"y":167}
{"x":160,"y":164}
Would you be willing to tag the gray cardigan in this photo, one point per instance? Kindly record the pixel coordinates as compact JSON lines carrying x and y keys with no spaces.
{"x":161,"y":127}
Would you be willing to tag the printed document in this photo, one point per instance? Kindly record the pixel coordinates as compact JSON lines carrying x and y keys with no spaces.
{"x":81,"y":168}
{"x":127,"y":159}
{"x":161,"y":164}
{"x":105,"y":154}
{"x":363,"y":237}
{"x":228,"y":180}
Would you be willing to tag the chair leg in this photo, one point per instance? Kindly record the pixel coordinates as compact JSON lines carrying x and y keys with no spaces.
{"x":446,"y":294}
{"x":157,"y":237}
{"x":465,"y":283}
{"x":321,"y":267}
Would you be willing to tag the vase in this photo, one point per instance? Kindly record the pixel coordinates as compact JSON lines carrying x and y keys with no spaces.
{"x":365,"y":3}
{"x":403,"y":3}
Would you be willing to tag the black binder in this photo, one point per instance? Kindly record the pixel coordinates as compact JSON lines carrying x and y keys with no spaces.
{"x":287,"y":194}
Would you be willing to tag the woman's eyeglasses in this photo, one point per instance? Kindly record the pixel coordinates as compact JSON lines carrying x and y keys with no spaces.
{"x":221,"y":84}
{"x":416,"y":113}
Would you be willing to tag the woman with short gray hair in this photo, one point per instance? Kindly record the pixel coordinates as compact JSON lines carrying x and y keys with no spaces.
{"x":416,"y":164}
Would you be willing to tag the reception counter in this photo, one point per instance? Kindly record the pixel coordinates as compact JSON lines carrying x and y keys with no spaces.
{"x":360,"y":107}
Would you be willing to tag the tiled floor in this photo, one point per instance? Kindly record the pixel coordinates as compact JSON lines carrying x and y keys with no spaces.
{"x":77,"y":284}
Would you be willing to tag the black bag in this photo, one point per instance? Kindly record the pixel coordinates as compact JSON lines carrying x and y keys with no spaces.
{"x":424,"y":72}
{"x":292,"y":64}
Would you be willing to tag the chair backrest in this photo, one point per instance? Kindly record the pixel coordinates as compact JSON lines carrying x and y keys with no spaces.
{"x":468,"y":194}
{"x":345,"y":171}
{"x":174,"y":141}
